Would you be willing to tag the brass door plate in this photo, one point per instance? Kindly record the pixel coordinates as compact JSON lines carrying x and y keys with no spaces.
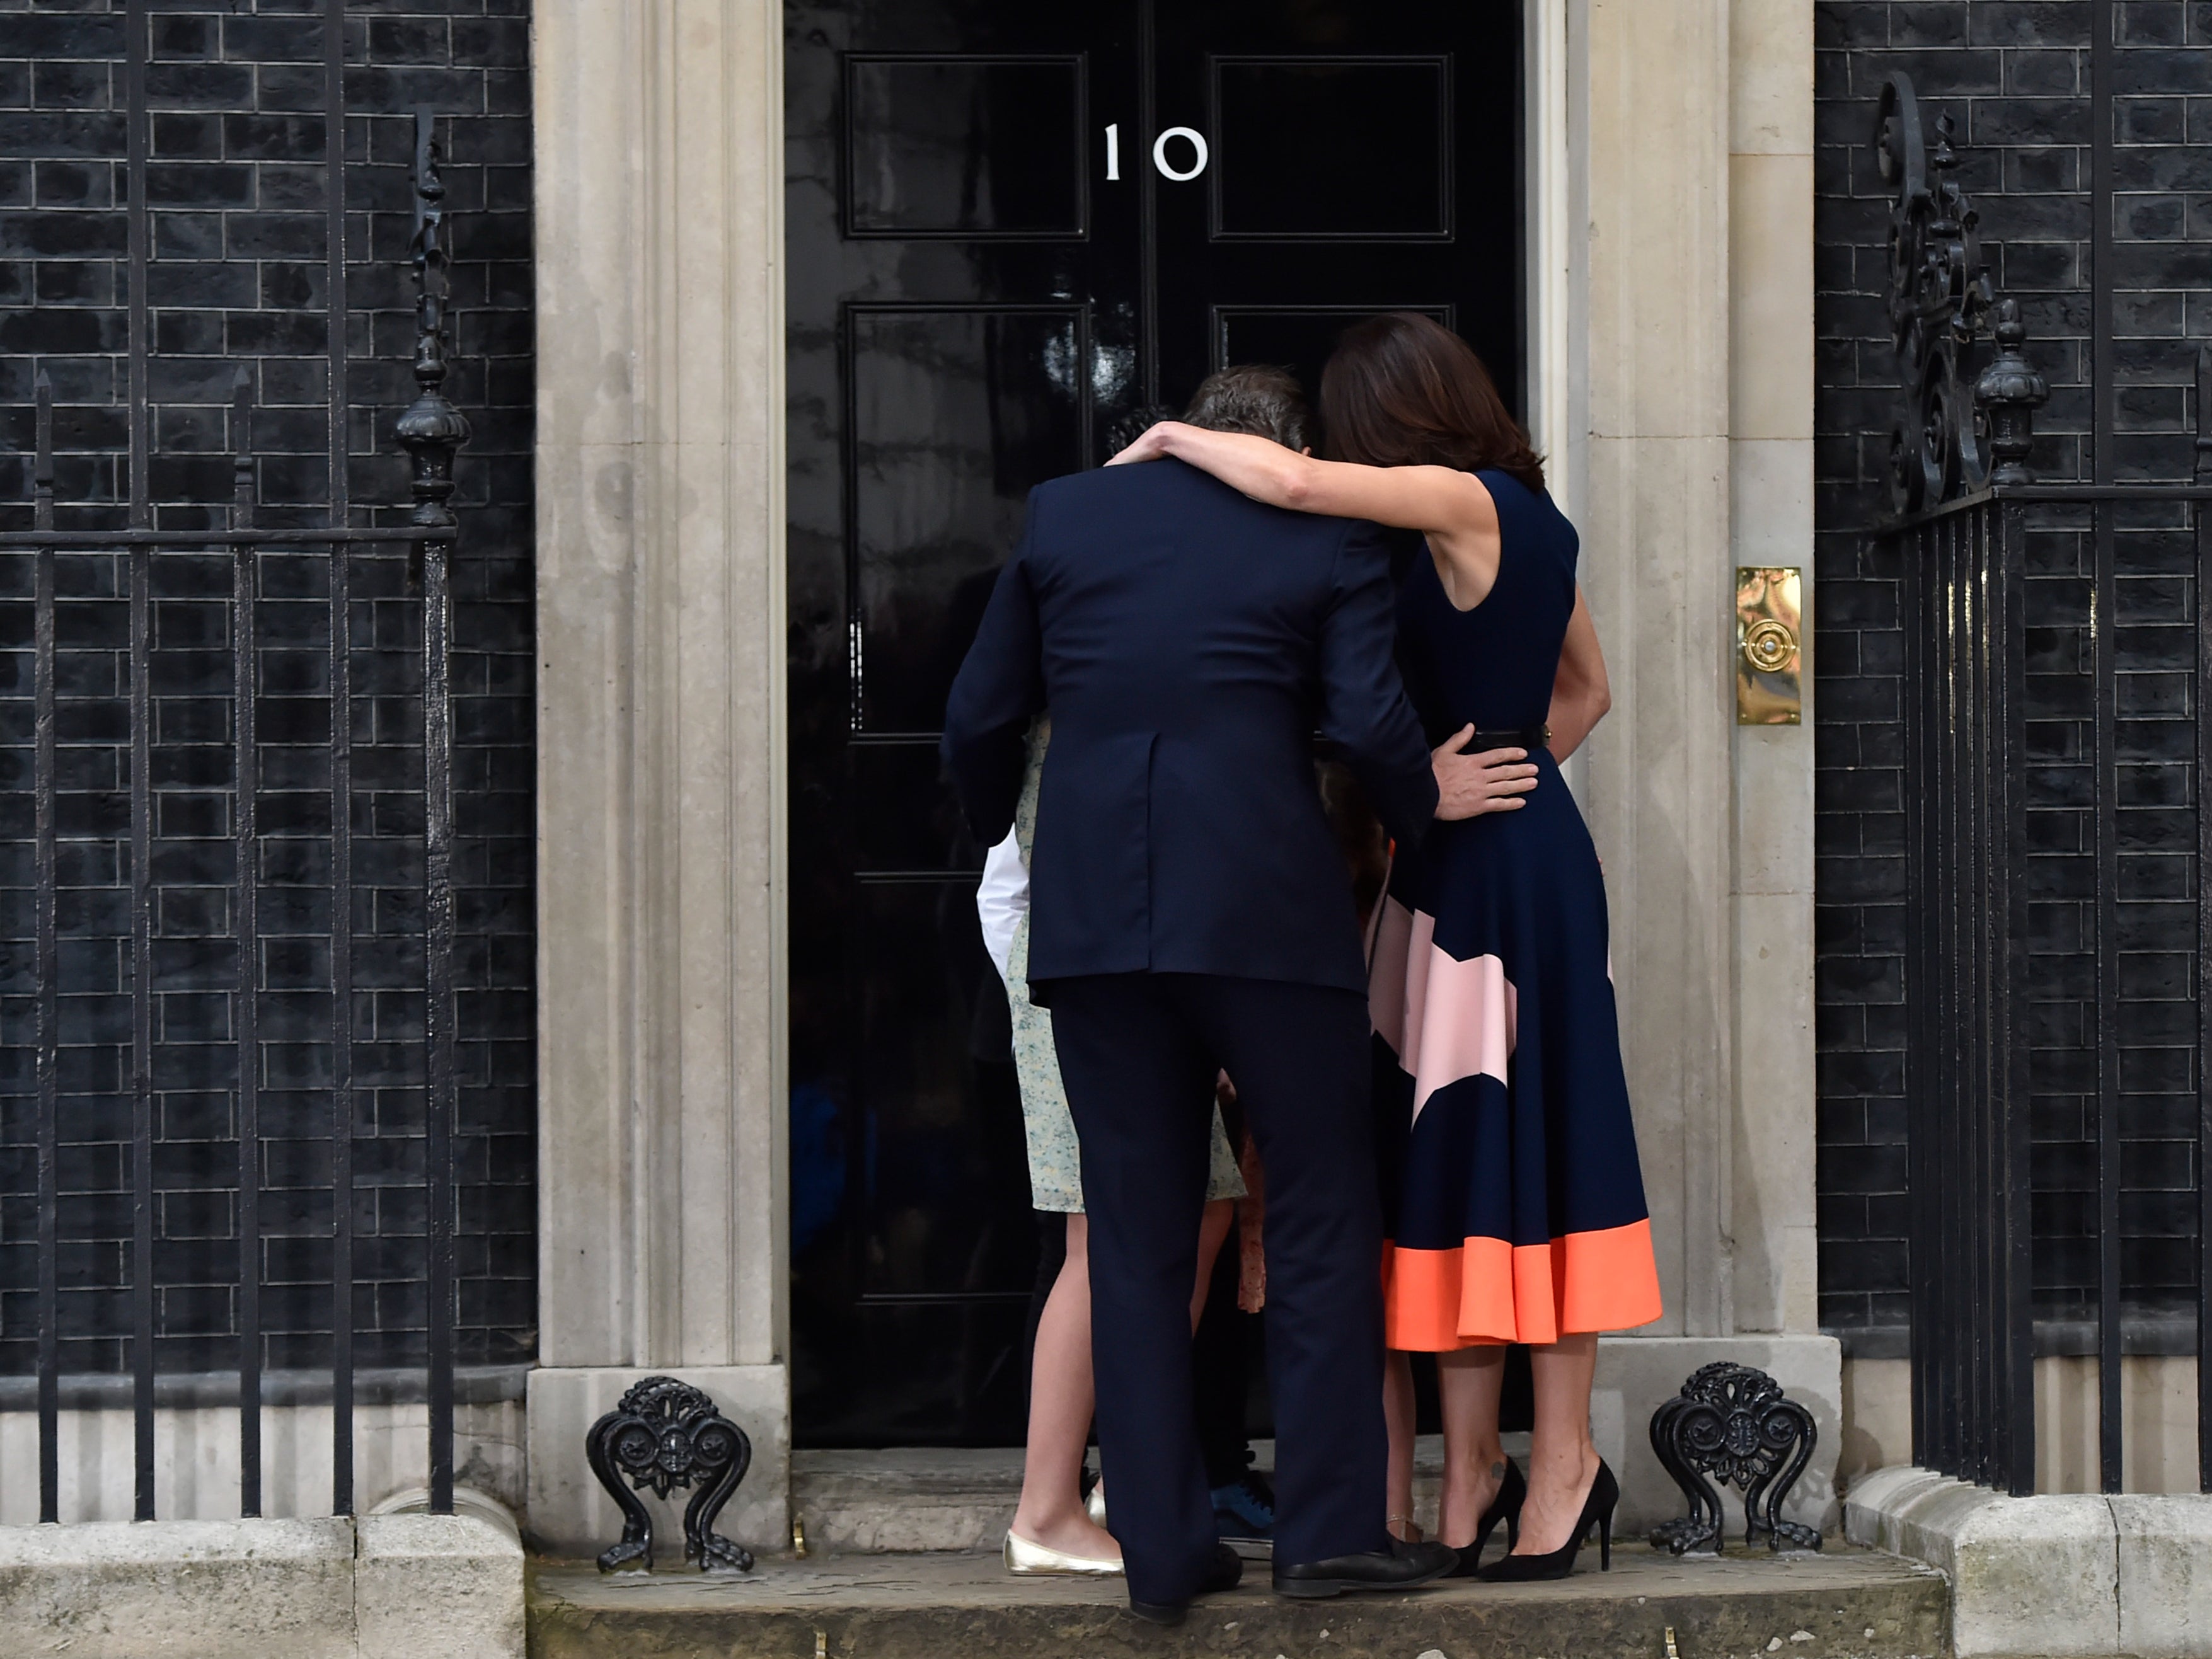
{"x":1769,"y":655}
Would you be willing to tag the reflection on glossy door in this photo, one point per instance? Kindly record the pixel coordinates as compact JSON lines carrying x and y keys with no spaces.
{"x":994,"y":255}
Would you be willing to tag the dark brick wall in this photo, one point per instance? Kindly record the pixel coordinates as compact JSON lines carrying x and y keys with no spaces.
{"x":2015,"y":79}
{"x":236,"y":184}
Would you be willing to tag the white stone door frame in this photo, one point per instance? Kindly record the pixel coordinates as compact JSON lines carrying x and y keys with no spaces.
{"x":1670,"y":254}
{"x":661,"y":674}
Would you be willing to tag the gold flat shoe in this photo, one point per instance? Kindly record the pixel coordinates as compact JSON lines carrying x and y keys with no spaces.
{"x":1027,"y":1560}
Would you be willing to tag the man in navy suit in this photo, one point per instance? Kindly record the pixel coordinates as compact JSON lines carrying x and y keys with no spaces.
{"x":1190,"y":913}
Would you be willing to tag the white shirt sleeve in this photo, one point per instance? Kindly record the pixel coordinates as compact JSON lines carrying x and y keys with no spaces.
{"x":1002,"y":899}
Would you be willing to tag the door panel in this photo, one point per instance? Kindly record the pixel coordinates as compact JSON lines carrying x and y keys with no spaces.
{"x":956,"y":413}
{"x":971,"y":147}
{"x":1308,"y":148}
{"x":987,"y":268}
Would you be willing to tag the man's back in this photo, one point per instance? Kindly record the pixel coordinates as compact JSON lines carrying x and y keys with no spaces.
{"x":1189,"y":642}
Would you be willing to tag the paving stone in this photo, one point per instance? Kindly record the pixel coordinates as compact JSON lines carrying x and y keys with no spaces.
{"x":180,"y":1589}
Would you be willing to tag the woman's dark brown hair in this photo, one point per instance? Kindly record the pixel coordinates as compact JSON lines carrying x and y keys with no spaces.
{"x":1401,"y":390}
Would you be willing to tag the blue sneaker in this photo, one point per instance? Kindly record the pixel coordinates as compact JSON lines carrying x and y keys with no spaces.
{"x":1244,"y":1517}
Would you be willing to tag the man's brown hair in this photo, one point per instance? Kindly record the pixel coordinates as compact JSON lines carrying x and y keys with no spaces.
{"x":1257,"y":398}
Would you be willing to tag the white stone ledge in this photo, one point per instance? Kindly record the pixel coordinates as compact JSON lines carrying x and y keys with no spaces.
{"x":382,"y":1588}
{"x":2051,"y":1577}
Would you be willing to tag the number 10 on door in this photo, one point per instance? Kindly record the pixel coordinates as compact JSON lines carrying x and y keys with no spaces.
{"x":1196,"y":141}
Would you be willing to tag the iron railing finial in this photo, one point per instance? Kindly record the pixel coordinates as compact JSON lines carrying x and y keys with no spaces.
{"x":2009,"y":393}
{"x":433,"y":429}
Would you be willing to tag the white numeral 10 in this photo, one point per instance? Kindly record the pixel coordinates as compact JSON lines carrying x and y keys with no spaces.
{"x":1196,"y":140}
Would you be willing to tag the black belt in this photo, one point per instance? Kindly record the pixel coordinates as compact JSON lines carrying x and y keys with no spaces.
{"x":1531,"y":738}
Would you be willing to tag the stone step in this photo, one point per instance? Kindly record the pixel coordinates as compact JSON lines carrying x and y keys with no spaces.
{"x":1840,"y":1604}
{"x":961,"y":1498}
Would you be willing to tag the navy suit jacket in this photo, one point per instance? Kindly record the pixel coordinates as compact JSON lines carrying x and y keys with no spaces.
{"x":1189,"y":642}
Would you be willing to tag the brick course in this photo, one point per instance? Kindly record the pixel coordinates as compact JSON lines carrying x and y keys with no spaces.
{"x":2015,"y":79}
{"x":235,"y":186}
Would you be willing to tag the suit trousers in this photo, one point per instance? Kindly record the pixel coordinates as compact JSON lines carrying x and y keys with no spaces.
{"x":1138,"y":1054}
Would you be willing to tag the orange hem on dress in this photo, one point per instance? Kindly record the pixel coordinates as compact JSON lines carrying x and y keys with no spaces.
{"x":1490,"y":1292}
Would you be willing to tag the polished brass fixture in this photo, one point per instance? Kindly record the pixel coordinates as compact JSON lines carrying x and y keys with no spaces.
{"x":1769,"y":668}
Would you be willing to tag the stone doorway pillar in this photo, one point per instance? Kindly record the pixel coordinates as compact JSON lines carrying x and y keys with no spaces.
{"x":1689,"y":368}
{"x":660,"y":664}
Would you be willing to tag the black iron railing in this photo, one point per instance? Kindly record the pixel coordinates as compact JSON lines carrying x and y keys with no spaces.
{"x":177,"y":566}
{"x":2057,"y":736}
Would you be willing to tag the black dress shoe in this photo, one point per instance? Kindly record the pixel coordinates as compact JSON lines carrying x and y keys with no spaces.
{"x":1224,"y":1572}
{"x":1401,"y":1567}
{"x":1511,"y":1494}
{"x":1597,"y":1511}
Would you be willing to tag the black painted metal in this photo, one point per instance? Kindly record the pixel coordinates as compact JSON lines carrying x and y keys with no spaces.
{"x":664,"y":1434}
{"x":2106,"y":678}
{"x":49,"y":975}
{"x":142,"y":1021}
{"x":1732,"y":1422}
{"x":1966,"y":558}
{"x":2103,"y":414}
{"x":247,"y":1014}
{"x":2204,"y":527}
{"x":431,"y":431}
{"x":356,"y":536}
{"x":1965,"y":1052}
{"x":1965,"y":821}
{"x":2012,"y":1462}
{"x":142,"y":764}
{"x":1148,"y":209}
{"x":343,"y":1101}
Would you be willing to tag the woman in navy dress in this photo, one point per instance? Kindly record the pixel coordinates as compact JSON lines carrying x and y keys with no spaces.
{"x":1517,"y":1205}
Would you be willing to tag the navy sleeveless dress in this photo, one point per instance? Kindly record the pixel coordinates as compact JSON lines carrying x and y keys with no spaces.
{"x":1518,"y":1201}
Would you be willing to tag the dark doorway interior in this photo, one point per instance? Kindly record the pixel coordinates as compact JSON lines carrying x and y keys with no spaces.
{"x":1008,"y":226}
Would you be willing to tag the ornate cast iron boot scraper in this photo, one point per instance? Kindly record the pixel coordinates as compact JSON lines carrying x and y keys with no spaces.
{"x":1735,"y":1423}
{"x":665,"y":1434}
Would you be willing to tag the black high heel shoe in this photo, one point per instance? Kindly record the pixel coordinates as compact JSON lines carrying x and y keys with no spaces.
{"x":1512,"y":1491}
{"x":1597,"y":1507}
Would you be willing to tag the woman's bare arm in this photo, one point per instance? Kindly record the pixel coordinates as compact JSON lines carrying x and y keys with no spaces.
{"x":1580,"y":693}
{"x":1452,"y":508}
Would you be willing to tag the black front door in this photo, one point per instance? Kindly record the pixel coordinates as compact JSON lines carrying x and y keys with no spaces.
{"x":1009,"y":225}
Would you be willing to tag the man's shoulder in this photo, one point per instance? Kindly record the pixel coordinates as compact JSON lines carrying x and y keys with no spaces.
{"x":1139,"y":481}
{"x":1169,"y":487}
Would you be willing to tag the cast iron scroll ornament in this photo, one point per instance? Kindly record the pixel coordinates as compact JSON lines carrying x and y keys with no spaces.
{"x":1735,"y":1423}
{"x":665,"y":1434}
{"x":1940,"y":303}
